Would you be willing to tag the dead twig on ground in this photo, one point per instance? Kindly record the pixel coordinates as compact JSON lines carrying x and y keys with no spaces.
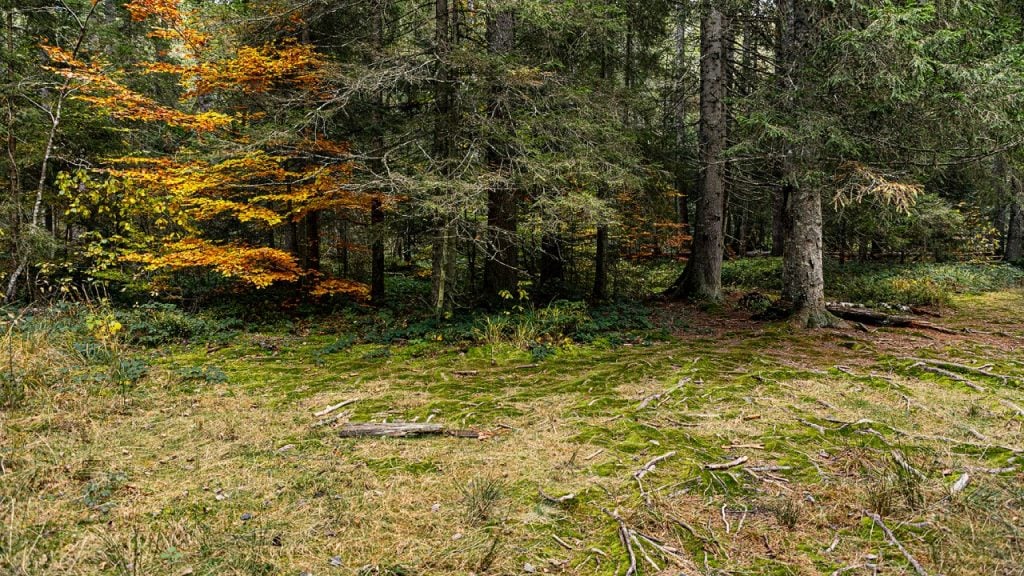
{"x":334,"y":407}
{"x":726,"y":465}
{"x":899,"y":545}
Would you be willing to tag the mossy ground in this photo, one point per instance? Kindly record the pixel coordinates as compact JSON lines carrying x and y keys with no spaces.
{"x":197,"y":476}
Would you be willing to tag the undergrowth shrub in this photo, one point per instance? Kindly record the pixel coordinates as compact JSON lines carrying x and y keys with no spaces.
{"x":920,"y":284}
{"x":157,"y":323}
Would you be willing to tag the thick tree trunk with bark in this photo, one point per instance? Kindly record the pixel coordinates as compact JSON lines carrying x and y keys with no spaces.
{"x":702,"y":277}
{"x":803,"y":281}
{"x":501,"y":265}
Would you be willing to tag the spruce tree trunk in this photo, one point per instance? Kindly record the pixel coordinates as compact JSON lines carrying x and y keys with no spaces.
{"x":600,"y":291}
{"x":702,"y":277}
{"x":376,"y":205}
{"x":501,"y":264}
{"x":803,"y":281}
{"x":377,"y":252}
{"x":679,"y":113}
{"x":443,"y":248}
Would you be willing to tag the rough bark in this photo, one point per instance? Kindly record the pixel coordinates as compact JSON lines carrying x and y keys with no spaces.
{"x":702,"y":277}
{"x":501,"y":265}
{"x":803,"y":282}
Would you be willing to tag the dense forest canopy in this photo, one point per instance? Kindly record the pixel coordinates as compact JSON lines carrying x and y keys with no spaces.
{"x":505,"y":150}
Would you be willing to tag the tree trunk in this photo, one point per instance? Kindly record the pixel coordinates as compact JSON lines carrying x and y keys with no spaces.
{"x":376,"y":205}
{"x":600,"y":291}
{"x":377,"y":252}
{"x":1014,"y":250}
{"x":679,"y":113}
{"x":803,"y":280}
{"x":778,"y":223}
{"x":501,"y":265}
{"x":702,"y":277}
{"x":443,"y":248}
{"x":311,"y":244}
{"x":552,"y":269}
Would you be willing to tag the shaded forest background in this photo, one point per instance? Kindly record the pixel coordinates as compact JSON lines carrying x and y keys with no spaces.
{"x":466,"y":153}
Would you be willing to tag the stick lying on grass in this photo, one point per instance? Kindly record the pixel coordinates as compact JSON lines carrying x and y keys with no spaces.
{"x":334,"y":407}
{"x":403,"y":430}
{"x":892,"y":538}
{"x":726,"y":465}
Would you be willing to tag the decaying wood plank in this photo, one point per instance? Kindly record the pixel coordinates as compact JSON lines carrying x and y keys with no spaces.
{"x":402,"y":430}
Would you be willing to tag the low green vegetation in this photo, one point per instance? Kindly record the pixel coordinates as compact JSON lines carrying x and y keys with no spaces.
{"x":919,"y":284}
{"x":154,"y":441}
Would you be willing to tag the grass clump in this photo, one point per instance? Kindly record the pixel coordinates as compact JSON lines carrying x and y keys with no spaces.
{"x":482,"y":497}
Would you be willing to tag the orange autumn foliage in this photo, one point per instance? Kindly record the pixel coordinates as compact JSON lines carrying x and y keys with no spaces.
{"x":227,"y":176}
{"x":259,"y":267}
{"x":341,"y":286}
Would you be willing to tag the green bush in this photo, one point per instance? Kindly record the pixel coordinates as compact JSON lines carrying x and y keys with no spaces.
{"x":156,"y":324}
{"x":753,"y":273}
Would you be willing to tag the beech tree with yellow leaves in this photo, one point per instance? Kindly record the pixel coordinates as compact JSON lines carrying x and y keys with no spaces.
{"x":162,"y":206}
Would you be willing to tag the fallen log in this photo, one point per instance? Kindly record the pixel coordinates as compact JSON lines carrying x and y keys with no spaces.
{"x":928,"y":367}
{"x":402,"y":430}
{"x":876,"y":318}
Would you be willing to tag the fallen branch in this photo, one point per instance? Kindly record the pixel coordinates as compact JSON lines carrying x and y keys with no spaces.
{"x":928,"y":367}
{"x":948,"y":365}
{"x":960,"y":484}
{"x":330,"y":409}
{"x":652,"y":464}
{"x":892,"y":538}
{"x":726,"y":465}
{"x":402,"y":430}
{"x":875,"y":318}
{"x":625,"y":536}
{"x":332,"y":419}
{"x":659,"y":395}
{"x":465,"y":372}
{"x":1014,"y":407}
{"x":559,"y":499}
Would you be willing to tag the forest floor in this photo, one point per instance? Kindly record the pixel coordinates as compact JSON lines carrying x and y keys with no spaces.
{"x":774,"y":450}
